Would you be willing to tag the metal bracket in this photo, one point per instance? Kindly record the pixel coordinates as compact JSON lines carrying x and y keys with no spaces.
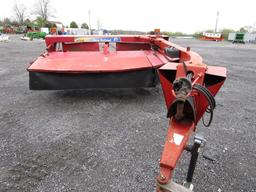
{"x":59,"y":46}
{"x":199,"y":142}
{"x":171,"y":186}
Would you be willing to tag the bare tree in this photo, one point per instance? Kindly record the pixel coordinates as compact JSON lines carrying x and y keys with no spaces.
{"x":43,"y":9}
{"x":20,"y":12}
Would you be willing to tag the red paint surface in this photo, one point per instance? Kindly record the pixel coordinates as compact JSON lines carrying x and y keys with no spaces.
{"x":172,"y":150}
{"x":94,"y":61}
{"x":81,"y":59}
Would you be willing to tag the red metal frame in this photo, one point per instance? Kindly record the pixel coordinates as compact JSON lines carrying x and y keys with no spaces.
{"x":194,"y":63}
{"x":132,"y":45}
{"x":85,"y":57}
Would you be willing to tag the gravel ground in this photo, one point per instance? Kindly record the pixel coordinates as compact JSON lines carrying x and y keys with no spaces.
{"x":111,"y":140}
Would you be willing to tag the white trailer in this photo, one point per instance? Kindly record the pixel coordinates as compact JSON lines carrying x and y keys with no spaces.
{"x":231,"y":36}
{"x":248,"y":37}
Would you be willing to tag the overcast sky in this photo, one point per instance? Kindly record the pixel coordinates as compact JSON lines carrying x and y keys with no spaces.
{"x":145,"y":15}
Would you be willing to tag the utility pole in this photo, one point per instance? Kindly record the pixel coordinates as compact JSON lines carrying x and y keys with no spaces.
{"x":89,"y":13}
{"x":217,"y":20}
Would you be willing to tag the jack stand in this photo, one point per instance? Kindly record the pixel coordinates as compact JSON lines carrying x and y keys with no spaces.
{"x":187,"y":186}
{"x":194,"y":149}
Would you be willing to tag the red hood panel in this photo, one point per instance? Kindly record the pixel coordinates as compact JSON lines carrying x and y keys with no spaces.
{"x":92,"y":62}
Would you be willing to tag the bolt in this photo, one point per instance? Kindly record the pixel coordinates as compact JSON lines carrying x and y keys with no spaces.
{"x":162,"y":177}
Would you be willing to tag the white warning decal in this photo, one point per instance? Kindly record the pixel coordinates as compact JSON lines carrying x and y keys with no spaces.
{"x":177,"y":138}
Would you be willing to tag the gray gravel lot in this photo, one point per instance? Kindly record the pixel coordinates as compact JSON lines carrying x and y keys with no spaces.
{"x":111,"y":140}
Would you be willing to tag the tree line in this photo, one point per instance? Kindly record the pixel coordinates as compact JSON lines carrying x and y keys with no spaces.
{"x":42,"y":11}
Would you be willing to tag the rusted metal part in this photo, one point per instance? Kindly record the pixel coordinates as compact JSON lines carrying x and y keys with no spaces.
{"x":171,"y":186}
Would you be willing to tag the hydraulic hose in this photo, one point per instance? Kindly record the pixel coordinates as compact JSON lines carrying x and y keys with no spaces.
{"x":210,"y":99}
